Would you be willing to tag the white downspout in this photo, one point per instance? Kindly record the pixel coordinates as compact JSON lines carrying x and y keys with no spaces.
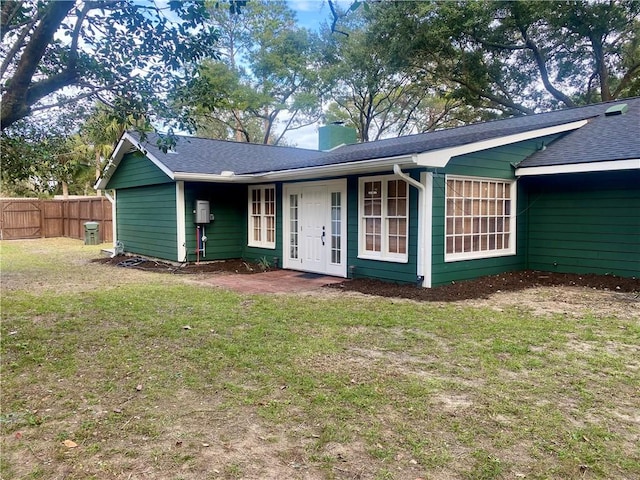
{"x":114,"y":223}
{"x":422,"y":211}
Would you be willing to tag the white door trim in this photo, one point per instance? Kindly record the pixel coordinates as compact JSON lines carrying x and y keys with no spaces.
{"x":338,"y":269}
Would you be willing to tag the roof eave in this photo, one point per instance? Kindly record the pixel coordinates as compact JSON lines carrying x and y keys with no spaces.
{"x":584,"y":167}
{"x":214,"y":177}
{"x":351,"y":168}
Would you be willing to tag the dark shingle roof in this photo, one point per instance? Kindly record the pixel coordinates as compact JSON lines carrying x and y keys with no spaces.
{"x":603,"y":138}
{"x":206,"y":156}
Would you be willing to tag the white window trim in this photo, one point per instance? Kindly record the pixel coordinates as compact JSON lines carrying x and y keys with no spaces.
{"x":263,"y":222}
{"x":511,"y":250}
{"x":384,"y":255}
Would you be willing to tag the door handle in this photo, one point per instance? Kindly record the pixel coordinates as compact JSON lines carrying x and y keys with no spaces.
{"x":323,"y":235}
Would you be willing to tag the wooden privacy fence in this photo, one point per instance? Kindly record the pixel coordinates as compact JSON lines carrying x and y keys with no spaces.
{"x":36,"y":218}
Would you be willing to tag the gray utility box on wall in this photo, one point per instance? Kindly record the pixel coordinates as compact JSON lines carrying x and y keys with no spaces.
{"x":203,"y":212}
{"x":91,"y":233}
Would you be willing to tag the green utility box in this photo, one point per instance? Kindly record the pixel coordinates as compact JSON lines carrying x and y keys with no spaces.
{"x":91,"y":233}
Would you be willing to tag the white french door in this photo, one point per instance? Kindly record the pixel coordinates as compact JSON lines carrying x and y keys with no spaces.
{"x":315,"y":227}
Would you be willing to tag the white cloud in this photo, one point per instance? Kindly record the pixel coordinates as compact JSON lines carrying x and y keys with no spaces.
{"x":305,"y":137}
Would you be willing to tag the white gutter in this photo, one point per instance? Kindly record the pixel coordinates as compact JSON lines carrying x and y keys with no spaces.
{"x":353,"y":168}
{"x":181,"y":220}
{"x":225,"y":177}
{"x":363,"y":166}
{"x":633,"y":164}
{"x":422,"y":211}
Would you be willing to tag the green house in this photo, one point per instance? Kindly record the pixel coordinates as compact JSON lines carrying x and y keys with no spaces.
{"x":558,"y":191}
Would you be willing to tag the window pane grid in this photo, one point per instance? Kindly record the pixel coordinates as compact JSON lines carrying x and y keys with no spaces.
{"x":293,"y":226}
{"x":385,"y":217}
{"x":397,"y":216}
{"x":373,"y":216}
{"x":478,"y":216}
{"x":336,"y":227}
{"x":263,"y":216}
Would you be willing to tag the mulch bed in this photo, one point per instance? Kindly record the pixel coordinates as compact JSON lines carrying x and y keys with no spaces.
{"x":470,"y":289}
{"x":484,"y":287}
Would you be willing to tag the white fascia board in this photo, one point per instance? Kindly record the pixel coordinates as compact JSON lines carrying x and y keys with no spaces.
{"x":113,"y":162}
{"x":151,"y":157}
{"x":365,"y":166}
{"x":440,"y":158}
{"x":215,"y":178}
{"x":124,"y":145}
{"x":633,"y":164}
{"x":341,"y":169}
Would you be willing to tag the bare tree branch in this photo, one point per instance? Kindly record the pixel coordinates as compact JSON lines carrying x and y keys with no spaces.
{"x":336,"y":17}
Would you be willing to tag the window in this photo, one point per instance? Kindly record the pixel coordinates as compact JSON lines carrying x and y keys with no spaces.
{"x":384,"y":219}
{"x":480,"y":220}
{"x":336,"y":227}
{"x":262,"y":216}
{"x":293,"y":226}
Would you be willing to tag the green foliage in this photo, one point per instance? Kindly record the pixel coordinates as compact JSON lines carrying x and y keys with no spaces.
{"x":43,"y":159}
{"x":266,"y":74}
{"x":517,"y":56}
{"x":371,"y":87}
{"x":264,"y":264}
{"x":106,"y":50}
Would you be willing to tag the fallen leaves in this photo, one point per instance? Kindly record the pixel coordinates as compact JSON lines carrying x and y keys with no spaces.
{"x":70,"y":444}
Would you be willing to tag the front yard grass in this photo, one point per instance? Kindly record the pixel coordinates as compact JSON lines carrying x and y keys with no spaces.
{"x":111,"y":373}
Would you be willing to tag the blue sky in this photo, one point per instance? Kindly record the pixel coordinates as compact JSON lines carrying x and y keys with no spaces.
{"x":310,"y":14}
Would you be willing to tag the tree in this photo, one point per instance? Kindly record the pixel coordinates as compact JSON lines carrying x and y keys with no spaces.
{"x":520,"y":56}
{"x":43,"y":159}
{"x":103,"y":128}
{"x":266,"y":74}
{"x":103,"y":49}
{"x":368,"y":89}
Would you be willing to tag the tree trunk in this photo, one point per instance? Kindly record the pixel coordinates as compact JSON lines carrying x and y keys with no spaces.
{"x":98,"y":169}
{"x":16,"y":101}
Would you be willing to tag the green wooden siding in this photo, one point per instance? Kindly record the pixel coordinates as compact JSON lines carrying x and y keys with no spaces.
{"x":226,"y":235}
{"x":146,"y":220}
{"x":136,"y":170}
{"x":585,"y":223}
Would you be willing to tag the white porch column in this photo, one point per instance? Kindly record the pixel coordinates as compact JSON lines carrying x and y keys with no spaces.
{"x":181,"y":222}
